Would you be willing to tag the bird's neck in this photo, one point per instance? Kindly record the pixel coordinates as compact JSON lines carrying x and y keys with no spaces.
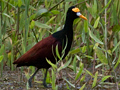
{"x":66,"y":31}
{"x":65,"y":36}
{"x":68,"y":27}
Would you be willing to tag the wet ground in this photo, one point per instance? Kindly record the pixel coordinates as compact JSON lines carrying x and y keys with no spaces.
{"x":16,"y":80}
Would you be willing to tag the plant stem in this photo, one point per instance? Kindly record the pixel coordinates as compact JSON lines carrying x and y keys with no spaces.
{"x":1,"y":24}
{"x":105,"y":27}
{"x":18,"y":18}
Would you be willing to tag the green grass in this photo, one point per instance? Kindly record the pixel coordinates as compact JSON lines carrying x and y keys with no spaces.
{"x":96,"y":42}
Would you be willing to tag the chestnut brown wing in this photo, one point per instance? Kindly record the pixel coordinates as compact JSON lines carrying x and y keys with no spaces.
{"x":37,"y":55}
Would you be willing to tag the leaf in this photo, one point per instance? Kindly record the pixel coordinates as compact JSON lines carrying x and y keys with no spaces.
{"x":74,"y":64}
{"x":41,"y":25}
{"x":78,"y":57}
{"x":1,"y":58}
{"x":94,"y":8}
{"x":96,"y":22}
{"x":66,"y":44}
{"x":51,"y":19}
{"x":101,"y":56}
{"x":118,"y":61}
{"x":48,"y":79}
{"x":95,"y":80}
{"x":19,"y":3}
{"x":27,"y":74}
{"x":53,"y":65}
{"x":65,"y":65}
{"x":105,"y":77}
{"x":53,"y":80}
{"x":88,"y":56}
{"x":69,"y":83}
{"x":86,"y":26}
{"x":99,"y":65}
{"x":82,"y":87}
{"x":57,"y":52}
{"x":94,"y":37}
{"x":105,"y":6}
{"x":116,"y":47}
{"x":5,"y":14}
{"x":32,"y":24}
{"x":109,"y":52}
{"x":116,"y":28}
{"x":2,"y":49}
{"x":80,"y":71}
{"x":32,"y":17}
{"x":84,"y":49}
{"x":75,"y":51}
{"x":89,"y":7}
{"x":40,"y":12}
{"x":55,"y":11}
{"x":82,"y":78}
{"x":89,"y":73}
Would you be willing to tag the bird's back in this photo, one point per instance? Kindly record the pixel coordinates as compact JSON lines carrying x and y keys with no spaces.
{"x":37,"y":55}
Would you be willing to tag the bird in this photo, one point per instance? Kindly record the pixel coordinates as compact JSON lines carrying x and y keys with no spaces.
{"x":46,"y":48}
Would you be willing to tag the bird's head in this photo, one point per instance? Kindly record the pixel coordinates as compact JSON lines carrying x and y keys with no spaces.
{"x":74,"y":12}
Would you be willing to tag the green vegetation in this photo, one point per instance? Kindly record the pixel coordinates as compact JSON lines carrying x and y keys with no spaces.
{"x":95,"y":52}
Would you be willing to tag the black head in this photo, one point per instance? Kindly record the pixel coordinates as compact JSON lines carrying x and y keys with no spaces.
{"x":73,"y":13}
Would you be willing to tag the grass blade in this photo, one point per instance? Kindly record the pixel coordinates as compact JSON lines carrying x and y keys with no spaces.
{"x":94,"y":37}
{"x":95,"y":80}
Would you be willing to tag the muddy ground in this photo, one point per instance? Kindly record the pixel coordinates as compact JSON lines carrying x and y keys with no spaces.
{"x":16,"y":80}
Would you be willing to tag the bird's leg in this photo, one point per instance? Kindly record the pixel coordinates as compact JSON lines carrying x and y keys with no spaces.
{"x":30,"y":79}
{"x":44,"y":81}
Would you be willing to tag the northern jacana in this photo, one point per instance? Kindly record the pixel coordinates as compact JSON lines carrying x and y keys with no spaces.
{"x":45,"y":48}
